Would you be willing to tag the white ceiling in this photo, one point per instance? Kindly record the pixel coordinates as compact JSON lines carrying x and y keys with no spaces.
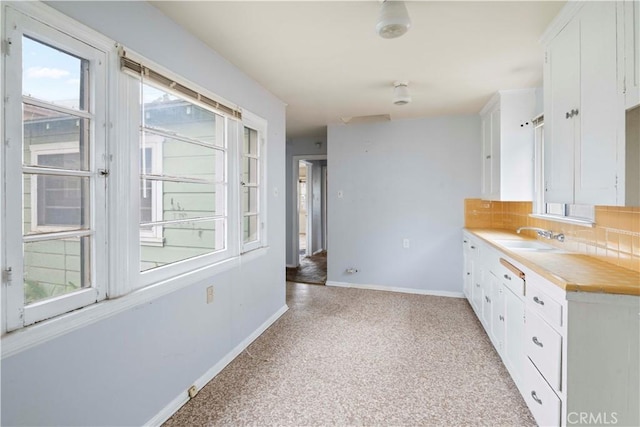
{"x":324,"y":59}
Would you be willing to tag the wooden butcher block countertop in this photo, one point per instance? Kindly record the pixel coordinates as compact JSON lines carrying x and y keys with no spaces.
{"x":571,"y":271}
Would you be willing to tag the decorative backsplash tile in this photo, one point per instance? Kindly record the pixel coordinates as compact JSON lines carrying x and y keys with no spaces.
{"x":614,"y":239}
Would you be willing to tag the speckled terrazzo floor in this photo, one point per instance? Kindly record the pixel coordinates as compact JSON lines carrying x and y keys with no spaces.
{"x":358,"y":357}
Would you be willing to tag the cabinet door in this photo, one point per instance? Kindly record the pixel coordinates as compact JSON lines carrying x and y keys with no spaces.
{"x":601,"y":114}
{"x":497,"y":323}
{"x":467,"y":271}
{"x":513,"y":355}
{"x":487,"y":295}
{"x":495,"y":154}
{"x":486,"y":156}
{"x":562,"y":95}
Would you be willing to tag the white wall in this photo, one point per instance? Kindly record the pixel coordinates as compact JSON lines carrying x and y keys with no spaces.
{"x":298,"y":147}
{"x":401,"y":179}
{"x":125,"y":369}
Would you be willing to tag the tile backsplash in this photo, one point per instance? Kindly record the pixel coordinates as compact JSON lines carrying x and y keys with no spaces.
{"x":615,"y":238}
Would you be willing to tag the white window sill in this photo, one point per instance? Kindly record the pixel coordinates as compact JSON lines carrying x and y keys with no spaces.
{"x":31,"y":336}
{"x":565,"y":219}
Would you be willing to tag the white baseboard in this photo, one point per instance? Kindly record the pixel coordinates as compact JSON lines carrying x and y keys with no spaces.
{"x":291,"y":266}
{"x":183,"y":397}
{"x":318,"y":251}
{"x":394,"y":289}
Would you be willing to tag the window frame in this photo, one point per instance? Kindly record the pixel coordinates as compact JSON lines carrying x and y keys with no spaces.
{"x":130,"y":85}
{"x":154,"y":237}
{"x":257,"y":123}
{"x":541,"y":209}
{"x":19,"y":24}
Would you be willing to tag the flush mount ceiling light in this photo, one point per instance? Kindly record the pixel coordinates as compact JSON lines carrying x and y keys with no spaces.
{"x":401,"y":93}
{"x":394,"y":19}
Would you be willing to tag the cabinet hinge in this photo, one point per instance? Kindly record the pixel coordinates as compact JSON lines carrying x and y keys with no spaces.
{"x":624,"y":85}
{"x":6,"y":46}
{"x":546,"y":57}
{"x":616,"y":185}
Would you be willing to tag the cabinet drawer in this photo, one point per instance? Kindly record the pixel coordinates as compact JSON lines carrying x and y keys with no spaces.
{"x":544,"y":404}
{"x":542,"y":304}
{"x":543,"y":345}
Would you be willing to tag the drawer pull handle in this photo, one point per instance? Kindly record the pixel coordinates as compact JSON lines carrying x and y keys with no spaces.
{"x":506,"y":276}
{"x":536,"y":342}
{"x":536,"y":398}
{"x":538,"y":300}
{"x":501,"y":317}
{"x":473,"y":247}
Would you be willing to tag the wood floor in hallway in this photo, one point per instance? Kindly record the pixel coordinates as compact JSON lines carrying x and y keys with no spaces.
{"x":360,"y":357}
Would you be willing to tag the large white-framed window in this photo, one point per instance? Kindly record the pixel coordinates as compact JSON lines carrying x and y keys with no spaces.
{"x":252,"y":182}
{"x":184,"y":140}
{"x":563,"y":212}
{"x":54,"y":203}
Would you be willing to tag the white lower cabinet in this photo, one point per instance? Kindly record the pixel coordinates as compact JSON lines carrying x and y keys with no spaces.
{"x":544,"y":404}
{"x":513,"y":353}
{"x":574,"y":356}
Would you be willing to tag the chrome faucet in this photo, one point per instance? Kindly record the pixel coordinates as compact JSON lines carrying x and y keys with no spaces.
{"x":547,"y":234}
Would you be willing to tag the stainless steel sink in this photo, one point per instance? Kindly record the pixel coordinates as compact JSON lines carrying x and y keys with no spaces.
{"x":527,"y":245}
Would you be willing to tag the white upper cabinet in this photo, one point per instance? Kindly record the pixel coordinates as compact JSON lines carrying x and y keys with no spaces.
{"x":584,"y":106}
{"x":507,"y":145}
{"x":630,"y":37}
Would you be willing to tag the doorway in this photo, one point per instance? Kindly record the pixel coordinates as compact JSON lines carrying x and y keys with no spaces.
{"x":309,"y":215}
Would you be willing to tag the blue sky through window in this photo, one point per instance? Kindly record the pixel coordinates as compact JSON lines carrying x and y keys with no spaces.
{"x":50,"y":75}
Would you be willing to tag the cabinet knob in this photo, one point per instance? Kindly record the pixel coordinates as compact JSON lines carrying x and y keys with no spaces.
{"x":487,"y":299}
{"x":536,"y":398}
{"x":506,"y":276}
{"x":465,"y":241}
{"x":537,"y":342}
{"x":574,"y":112}
{"x":473,"y":247}
{"x":488,"y":157}
{"x":538,"y":300}
{"x":468,"y":273}
{"x":477,"y":285}
{"x":501,"y":317}
{"x":568,"y":115}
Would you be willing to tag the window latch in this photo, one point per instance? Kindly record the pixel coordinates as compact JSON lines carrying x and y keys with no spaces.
{"x":7,"y":275}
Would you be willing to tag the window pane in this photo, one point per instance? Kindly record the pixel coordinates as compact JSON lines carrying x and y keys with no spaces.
{"x":250,"y":228}
{"x":249,"y":199}
{"x":555,"y":209}
{"x":55,"y":203}
{"x":48,"y":133}
{"x":581,"y":211}
{"x":175,"y":115}
{"x":250,"y":145}
{"x":53,"y":76}
{"x":183,"y":241}
{"x":184,"y":200}
{"x":55,"y":267}
{"x":249,"y":170}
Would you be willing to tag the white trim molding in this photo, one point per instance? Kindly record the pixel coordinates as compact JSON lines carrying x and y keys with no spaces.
{"x":397,"y":289}
{"x":175,"y":404}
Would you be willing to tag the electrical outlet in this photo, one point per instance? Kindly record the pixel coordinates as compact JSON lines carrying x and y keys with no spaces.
{"x":209,"y":294}
{"x":405,"y":243}
{"x":193,"y":390}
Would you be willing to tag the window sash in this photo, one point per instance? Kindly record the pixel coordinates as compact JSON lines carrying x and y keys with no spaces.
{"x":17,"y":26}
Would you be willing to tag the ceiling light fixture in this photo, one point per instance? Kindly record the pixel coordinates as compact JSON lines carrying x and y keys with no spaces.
{"x":394,"y":19}
{"x":401,"y":93}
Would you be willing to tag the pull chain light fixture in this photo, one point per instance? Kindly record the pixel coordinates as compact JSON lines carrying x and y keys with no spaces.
{"x":393,"y":20}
